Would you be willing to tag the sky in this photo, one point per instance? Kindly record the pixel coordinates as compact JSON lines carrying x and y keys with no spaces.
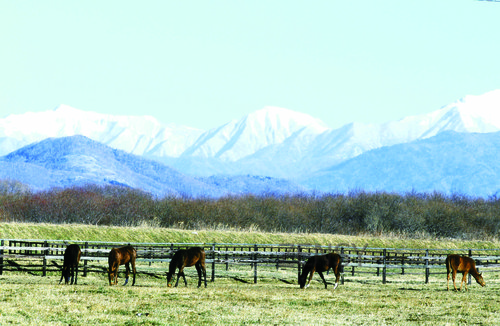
{"x":204,"y":63}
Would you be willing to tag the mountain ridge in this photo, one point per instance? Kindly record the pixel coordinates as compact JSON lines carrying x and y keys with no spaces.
{"x":272,"y":141}
{"x":78,"y":160}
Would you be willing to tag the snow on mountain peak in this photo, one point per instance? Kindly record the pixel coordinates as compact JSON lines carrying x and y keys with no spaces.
{"x":474,"y":113}
{"x":262,"y":128}
{"x":282,"y":118}
{"x":134,"y":134}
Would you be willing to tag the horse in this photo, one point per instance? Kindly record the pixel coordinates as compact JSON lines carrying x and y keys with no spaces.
{"x":187,"y":258}
{"x":70,"y":265}
{"x":121,"y":256}
{"x":321,"y":264}
{"x":463,"y":264}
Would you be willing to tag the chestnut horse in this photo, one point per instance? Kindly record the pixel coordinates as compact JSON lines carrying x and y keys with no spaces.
{"x":121,"y":256}
{"x":70,"y":265}
{"x":457,"y":263}
{"x":187,"y":258}
{"x":321,"y":264}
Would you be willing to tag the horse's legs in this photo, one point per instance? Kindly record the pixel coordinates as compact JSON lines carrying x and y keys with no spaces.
{"x":198,"y":269}
{"x":127,"y":273}
{"x":448,"y":280}
{"x":204,"y":273}
{"x":181,"y":273}
{"x":184,"y":278}
{"x":72,"y":273}
{"x":62,"y":275}
{"x":115,"y":273}
{"x":464,"y":280}
{"x":453,"y":275}
{"x":337,"y":277}
{"x":323,"y":278}
{"x":133,"y":271}
{"x":310,"y":278}
{"x":76,"y":274}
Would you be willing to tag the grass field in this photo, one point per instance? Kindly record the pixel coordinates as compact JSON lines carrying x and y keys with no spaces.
{"x":35,"y":300}
{"x":162,"y":235}
{"x":275,"y":300}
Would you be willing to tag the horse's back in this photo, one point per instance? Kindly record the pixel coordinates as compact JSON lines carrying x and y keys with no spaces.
{"x":332,"y":260}
{"x":194,"y":255}
{"x":459,"y":263}
{"x":72,"y":254}
{"x":122,"y":255}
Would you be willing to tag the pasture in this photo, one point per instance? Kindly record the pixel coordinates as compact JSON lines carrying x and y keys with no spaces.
{"x":233,"y":298}
{"x":34,"y":300}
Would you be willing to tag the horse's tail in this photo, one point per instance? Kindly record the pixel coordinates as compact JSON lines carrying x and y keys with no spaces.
{"x":448,"y":264}
{"x":341,"y":265}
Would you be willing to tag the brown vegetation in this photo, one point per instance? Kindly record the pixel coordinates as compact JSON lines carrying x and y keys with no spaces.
{"x":410,"y":215}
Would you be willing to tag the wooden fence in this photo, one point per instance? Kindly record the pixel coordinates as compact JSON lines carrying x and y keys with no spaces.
{"x":45,"y":256}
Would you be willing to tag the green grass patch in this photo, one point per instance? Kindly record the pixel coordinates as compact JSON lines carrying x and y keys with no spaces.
{"x":148,"y":234}
{"x":35,"y":300}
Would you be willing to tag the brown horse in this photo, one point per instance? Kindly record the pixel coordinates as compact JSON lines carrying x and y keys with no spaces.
{"x":121,"y":256}
{"x":70,"y":265}
{"x":321,"y":264}
{"x":457,"y":263}
{"x":187,"y":258}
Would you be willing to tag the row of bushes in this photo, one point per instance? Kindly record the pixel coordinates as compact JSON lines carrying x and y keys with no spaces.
{"x":411,"y":215}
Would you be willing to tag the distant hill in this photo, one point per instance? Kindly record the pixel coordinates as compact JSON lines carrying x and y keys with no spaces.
{"x":451,"y":162}
{"x":78,"y":160}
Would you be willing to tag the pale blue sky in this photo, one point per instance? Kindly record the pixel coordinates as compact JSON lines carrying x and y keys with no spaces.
{"x":203,"y":63}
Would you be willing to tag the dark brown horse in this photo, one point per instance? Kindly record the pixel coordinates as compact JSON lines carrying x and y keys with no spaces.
{"x":321,"y":264}
{"x":70,"y":265}
{"x":121,"y":256}
{"x":187,"y":258}
{"x":464,"y":265}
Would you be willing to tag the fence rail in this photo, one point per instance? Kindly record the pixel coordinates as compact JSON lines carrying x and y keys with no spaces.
{"x":44,"y":256}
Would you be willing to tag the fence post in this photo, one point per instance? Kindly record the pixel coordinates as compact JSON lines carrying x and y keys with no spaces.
{"x":384,"y":269}
{"x":85,"y":261}
{"x":427,"y":271}
{"x":255,"y":248}
{"x":299,"y":251}
{"x":342,"y":275}
{"x":403,"y":264}
{"x":213,"y":262}
{"x":1,"y":258}
{"x":278,"y":259}
{"x":45,"y":252}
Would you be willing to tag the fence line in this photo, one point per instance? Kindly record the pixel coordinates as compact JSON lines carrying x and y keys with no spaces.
{"x":42,"y":256}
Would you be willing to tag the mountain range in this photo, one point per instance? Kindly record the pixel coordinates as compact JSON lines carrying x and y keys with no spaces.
{"x":452,"y":149}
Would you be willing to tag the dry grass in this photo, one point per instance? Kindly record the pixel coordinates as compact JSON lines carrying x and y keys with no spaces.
{"x":362,"y":300}
{"x":35,"y":300}
{"x":161,"y":235}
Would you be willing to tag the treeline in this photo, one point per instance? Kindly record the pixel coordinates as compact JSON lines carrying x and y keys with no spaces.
{"x":410,"y":215}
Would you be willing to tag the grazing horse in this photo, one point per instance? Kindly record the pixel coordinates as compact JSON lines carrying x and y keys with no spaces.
{"x":187,"y":258}
{"x":321,"y":264}
{"x":121,"y":256}
{"x":457,"y":263}
{"x":70,"y":265}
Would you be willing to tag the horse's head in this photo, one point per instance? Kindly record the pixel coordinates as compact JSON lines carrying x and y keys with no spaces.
{"x":65,"y":274}
{"x":480,"y":280}
{"x":302,"y":280}
{"x":169,"y":279}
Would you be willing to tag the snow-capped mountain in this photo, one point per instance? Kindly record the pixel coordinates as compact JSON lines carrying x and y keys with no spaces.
{"x":271,"y":142}
{"x":137,"y":135}
{"x":258,"y":130}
